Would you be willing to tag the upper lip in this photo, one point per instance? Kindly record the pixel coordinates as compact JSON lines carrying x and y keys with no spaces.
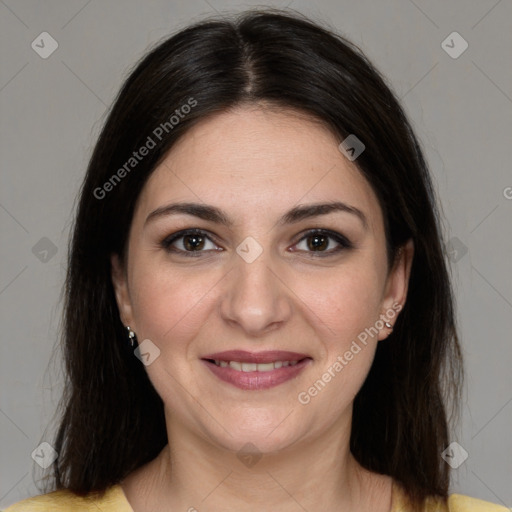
{"x":268,"y":356}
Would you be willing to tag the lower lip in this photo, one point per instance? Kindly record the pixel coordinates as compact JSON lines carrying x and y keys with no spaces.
{"x":257,"y":380}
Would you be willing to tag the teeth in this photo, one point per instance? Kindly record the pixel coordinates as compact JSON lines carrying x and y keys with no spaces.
{"x":249,"y":367}
{"x":254,"y":367}
{"x":263,"y":367}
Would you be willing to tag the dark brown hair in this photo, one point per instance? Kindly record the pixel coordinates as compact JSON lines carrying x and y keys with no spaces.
{"x":111,"y":418}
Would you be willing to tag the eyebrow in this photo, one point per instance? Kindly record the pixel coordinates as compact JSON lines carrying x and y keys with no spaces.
{"x":296,"y":214}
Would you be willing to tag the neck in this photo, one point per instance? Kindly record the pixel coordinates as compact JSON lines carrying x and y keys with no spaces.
{"x":319,"y":474}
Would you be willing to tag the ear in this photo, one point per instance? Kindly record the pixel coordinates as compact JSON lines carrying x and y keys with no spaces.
{"x":120,"y":282}
{"x":396,"y":286}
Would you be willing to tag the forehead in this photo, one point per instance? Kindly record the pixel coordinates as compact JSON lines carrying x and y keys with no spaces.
{"x":252,"y":160}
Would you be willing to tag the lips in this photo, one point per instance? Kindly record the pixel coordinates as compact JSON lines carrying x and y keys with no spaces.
{"x":256,"y":370}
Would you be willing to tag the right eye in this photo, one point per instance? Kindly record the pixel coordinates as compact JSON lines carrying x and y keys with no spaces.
{"x":189,"y":242}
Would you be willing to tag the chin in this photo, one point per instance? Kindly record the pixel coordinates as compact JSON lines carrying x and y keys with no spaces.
{"x":263,"y":435}
{"x":256,"y":444}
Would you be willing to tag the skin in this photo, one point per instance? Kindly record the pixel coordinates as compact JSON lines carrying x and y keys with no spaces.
{"x":256,"y":164}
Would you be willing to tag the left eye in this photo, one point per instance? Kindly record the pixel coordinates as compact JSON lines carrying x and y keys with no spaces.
{"x":321,"y":241}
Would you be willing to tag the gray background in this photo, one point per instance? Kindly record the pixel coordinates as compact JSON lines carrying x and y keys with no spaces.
{"x":52,"y":110}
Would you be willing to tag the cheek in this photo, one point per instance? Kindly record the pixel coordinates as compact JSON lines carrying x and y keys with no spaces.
{"x":344,"y":309}
{"x":345,"y":301}
{"x":168,"y":305}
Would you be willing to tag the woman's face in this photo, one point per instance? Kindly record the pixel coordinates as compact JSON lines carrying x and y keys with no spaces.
{"x":255,"y":279}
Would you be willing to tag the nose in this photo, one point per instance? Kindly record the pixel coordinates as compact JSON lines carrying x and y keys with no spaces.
{"x":256,"y":298}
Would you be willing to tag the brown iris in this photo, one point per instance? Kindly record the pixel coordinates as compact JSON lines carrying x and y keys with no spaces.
{"x":318,"y":242}
{"x":193,"y":242}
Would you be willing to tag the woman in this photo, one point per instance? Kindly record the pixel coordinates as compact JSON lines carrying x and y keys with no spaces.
{"x":258,"y":310}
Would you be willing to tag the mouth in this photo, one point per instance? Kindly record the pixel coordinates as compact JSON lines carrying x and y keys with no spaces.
{"x":256,"y":370}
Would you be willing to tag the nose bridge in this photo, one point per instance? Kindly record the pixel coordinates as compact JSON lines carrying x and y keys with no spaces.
{"x":256,"y":299}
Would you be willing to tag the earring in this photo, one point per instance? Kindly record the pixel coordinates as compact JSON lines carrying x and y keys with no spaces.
{"x":131,"y":335}
{"x":388,"y":325}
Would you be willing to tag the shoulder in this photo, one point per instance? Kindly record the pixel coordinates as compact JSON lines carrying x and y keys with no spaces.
{"x":460,"y":503}
{"x":113,"y":500}
{"x":455,"y":503}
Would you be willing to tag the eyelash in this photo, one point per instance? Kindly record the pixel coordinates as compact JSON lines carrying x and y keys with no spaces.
{"x":343,"y":242}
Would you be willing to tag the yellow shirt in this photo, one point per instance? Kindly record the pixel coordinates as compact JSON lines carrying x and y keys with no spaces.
{"x":114,"y":500}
